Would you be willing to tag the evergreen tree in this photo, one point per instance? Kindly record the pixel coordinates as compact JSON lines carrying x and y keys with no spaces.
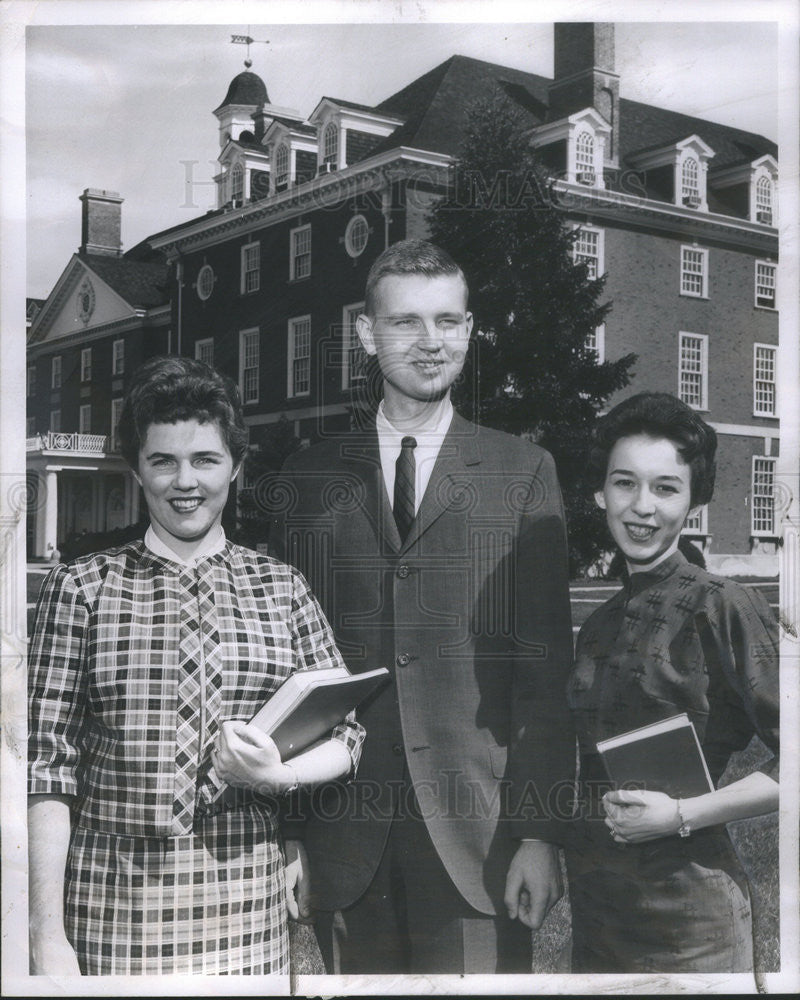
{"x":530,"y":371}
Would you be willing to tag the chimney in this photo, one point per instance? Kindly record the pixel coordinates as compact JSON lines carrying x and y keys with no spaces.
{"x":101,"y":223}
{"x":583,"y":76}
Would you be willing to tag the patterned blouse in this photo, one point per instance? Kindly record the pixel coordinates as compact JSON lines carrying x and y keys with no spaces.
{"x":135,"y":662}
{"x":639,"y":659}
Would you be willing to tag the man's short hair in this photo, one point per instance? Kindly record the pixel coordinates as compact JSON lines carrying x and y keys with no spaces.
{"x":410,"y":257}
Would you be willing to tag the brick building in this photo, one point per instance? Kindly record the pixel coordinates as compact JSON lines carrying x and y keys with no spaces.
{"x":678,"y":212}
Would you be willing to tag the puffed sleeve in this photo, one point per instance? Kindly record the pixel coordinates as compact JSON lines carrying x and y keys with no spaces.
{"x":745,"y":632}
{"x":57,"y":685}
{"x":316,"y":649}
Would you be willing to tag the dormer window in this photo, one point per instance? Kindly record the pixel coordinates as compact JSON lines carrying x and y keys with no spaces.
{"x":690,"y":182}
{"x":764,"y":191}
{"x":584,"y":157}
{"x":676,"y":173}
{"x":237,"y":185}
{"x":330,"y":147}
{"x":281,"y":167}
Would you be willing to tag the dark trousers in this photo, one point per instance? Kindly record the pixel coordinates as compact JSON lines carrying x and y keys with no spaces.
{"x":412,"y":919}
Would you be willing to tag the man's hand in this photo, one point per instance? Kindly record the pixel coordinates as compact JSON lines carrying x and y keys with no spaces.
{"x":533,"y":884}
{"x":52,"y":955}
{"x":298,"y":884}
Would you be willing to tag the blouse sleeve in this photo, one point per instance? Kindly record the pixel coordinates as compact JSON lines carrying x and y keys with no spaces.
{"x":747,"y":632}
{"x":57,"y":686}
{"x":316,"y":649}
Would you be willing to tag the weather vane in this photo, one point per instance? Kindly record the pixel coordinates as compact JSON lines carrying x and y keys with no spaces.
{"x":248,"y":41}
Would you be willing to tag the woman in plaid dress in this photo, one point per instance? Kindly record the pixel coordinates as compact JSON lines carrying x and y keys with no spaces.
{"x":144,"y":661}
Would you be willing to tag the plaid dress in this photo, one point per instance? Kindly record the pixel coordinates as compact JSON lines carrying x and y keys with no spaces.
{"x":135,"y":661}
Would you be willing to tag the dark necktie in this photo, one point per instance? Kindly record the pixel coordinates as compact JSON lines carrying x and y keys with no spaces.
{"x":404,"y":476}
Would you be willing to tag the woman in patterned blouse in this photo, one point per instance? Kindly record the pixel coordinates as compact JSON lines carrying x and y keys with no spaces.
{"x":654,"y":883}
{"x":144,"y":661}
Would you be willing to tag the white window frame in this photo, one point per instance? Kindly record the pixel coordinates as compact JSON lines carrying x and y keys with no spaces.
{"x":692,"y":270}
{"x":585,"y":143}
{"x":55,"y":421}
{"x":691,"y":187}
{"x":204,"y":345}
{"x":237,"y":185}
{"x":599,"y":345}
{"x":86,"y":364}
{"x":85,"y":418}
{"x":764,"y":206}
{"x":118,"y":357}
{"x":55,"y":372}
{"x":598,"y":258}
{"x":697,"y":525}
{"x":30,"y":381}
{"x":282,"y":176}
{"x":116,"y":410}
{"x":760,"y":497}
{"x":330,"y":150}
{"x":765,"y":379}
{"x":205,"y":282}
{"x":356,"y":225}
{"x":351,"y":346}
{"x":249,"y":351}
{"x":299,"y":254}
{"x":771,"y":282}
{"x":292,"y":392}
{"x":250,"y":258}
{"x":683,"y":370}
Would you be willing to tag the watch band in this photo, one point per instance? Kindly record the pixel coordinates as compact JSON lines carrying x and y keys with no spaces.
{"x":684,"y":830}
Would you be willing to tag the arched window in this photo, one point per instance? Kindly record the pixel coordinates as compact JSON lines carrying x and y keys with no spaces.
{"x":282,"y":166}
{"x":690,"y":182}
{"x":764,"y":200}
{"x":237,"y":182}
{"x":330,"y":145}
{"x":584,"y":158}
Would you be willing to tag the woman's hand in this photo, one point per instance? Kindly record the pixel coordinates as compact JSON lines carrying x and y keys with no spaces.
{"x":51,"y":954}
{"x":248,"y":758}
{"x":636,"y":816}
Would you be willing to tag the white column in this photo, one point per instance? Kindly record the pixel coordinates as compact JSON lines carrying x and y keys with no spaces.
{"x":50,"y":513}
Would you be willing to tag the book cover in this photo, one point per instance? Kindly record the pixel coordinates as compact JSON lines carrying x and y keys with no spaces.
{"x":665,"y":756}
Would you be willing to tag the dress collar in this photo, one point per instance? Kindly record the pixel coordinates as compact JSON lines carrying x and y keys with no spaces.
{"x":639,"y":582}
{"x":211,"y":546}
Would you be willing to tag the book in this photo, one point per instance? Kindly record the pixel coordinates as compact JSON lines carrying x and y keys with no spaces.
{"x":665,"y":756}
{"x":310,"y":703}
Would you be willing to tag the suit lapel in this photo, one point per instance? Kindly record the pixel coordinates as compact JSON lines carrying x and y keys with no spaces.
{"x":363,"y":460}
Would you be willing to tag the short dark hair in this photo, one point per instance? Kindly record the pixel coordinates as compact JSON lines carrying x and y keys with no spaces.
{"x":410,"y":257}
{"x":658,"y":414}
{"x":165,"y":390}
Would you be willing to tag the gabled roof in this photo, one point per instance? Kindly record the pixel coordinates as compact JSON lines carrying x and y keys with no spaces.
{"x":141,"y":284}
{"x":347,"y":104}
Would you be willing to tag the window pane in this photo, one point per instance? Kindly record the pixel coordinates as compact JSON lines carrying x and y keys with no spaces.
{"x":765,"y":284}
{"x":691,"y":384}
{"x":301,"y":356}
{"x":301,"y":253}
{"x":764,"y":381}
{"x":250,"y":362}
{"x":763,"y":496}
{"x":587,"y":250}
{"x":692,"y":271}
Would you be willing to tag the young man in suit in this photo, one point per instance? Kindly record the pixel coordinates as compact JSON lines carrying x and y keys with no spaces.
{"x":437,"y":548}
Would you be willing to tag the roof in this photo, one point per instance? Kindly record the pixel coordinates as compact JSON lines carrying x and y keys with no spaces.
{"x":348,"y":104}
{"x":142,"y":284}
{"x":246,"y":88}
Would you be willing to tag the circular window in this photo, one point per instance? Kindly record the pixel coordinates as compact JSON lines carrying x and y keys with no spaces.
{"x":85,"y":302}
{"x":205,"y":281}
{"x":356,"y":235}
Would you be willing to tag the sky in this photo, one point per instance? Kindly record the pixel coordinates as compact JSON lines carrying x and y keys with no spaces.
{"x":128,"y":106}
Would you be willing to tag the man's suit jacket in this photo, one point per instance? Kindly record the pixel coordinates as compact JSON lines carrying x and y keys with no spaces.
{"x":471,"y":614}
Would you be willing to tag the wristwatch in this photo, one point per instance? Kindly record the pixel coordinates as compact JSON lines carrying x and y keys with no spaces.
{"x":295,"y":784}
{"x":684,"y":830}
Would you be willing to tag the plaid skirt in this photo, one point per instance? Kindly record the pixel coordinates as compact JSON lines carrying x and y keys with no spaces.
{"x":209,"y":902}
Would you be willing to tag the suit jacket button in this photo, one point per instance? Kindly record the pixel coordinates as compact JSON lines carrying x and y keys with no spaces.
{"x":403,"y":571}
{"x":403,"y":660}
{"x":397,"y":749}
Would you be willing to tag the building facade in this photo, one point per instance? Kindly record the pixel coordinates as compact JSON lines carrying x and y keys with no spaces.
{"x":679,"y":213}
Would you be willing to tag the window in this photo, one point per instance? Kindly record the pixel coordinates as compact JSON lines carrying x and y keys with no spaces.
{"x":86,"y":364}
{"x":116,"y":410}
{"x":282,"y":167}
{"x":354,"y":367}
{"x":30,"y":427}
{"x":55,"y":372}
{"x":763,"y":505}
{"x":55,"y":421}
{"x":237,"y":184}
{"x":330,"y":146}
{"x":690,"y":182}
{"x":118,"y":358}
{"x":765,"y":284}
{"x":584,"y":158}
{"x":764,"y":200}
{"x":248,"y":365}
{"x":30,"y":381}
{"x":764,"y":357}
{"x":204,"y":350}
{"x":299,"y":382}
{"x":356,"y":236}
{"x":300,"y":253}
{"x":588,"y":249}
{"x":596,"y":341}
{"x":693,"y":370}
{"x":694,"y":272}
{"x":85,"y":419}
{"x":205,"y":282}
{"x":696,"y":524}
{"x":251,"y":268}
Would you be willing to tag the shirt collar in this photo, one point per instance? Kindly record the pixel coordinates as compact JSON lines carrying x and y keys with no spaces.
{"x":641,"y":581}
{"x":434,"y":427}
{"x":212,"y":544}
